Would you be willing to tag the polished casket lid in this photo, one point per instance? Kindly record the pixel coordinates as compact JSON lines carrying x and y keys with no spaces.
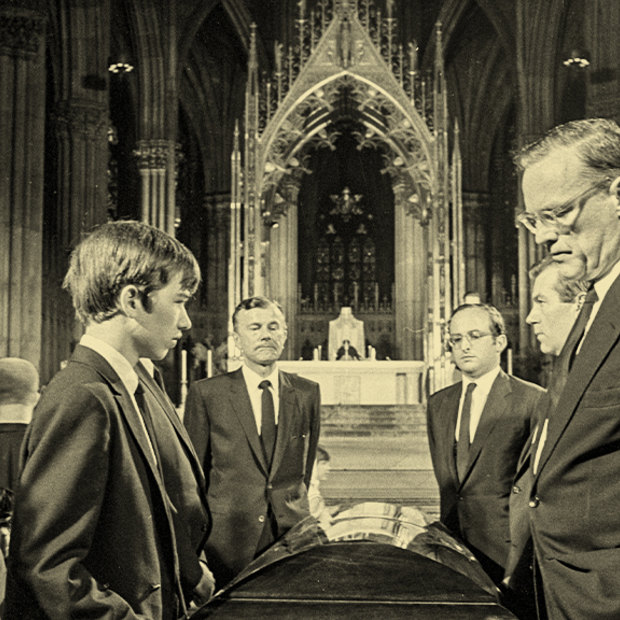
{"x":374,"y":560}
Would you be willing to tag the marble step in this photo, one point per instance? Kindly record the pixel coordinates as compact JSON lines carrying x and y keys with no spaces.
{"x":369,"y":420}
{"x":394,"y":469}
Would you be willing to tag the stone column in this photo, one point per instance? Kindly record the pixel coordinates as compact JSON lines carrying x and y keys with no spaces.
{"x":410,"y":291}
{"x":22,"y":112}
{"x":474,"y":206}
{"x":282,"y":262}
{"x":157,"y":171}
{"x":218,"y":269}
{"x":602,"y":21}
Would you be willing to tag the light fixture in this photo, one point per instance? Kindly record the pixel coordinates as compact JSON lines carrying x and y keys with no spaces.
{"x":120,"y":66}
{"x":578,"y":58}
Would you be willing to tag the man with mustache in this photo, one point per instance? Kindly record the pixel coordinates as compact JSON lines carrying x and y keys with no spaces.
{"x":476,"y":431}
{"x":571,"y":189}
{"x":256,"y":432}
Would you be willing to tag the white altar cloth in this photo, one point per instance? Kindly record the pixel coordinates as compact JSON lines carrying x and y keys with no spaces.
{"x":363,"y":382}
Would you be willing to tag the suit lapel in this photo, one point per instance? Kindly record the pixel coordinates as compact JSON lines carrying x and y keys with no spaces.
{"x":128,"y":411}
{"x":167,"y":406}
{"x":87,"y":356}
{"x":601,"y":337}
{"x":242,"y":408}
{"x":286,"y":412}
{"x":495,"y":407}
{"x":451,"y":407}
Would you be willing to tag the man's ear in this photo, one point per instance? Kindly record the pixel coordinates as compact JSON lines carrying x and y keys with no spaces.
{"x":502,"y":342}
{"x":130,"y":300}
{"x":614,"y":190}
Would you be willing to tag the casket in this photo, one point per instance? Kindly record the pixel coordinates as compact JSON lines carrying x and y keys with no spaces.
{"x":374,"y":560}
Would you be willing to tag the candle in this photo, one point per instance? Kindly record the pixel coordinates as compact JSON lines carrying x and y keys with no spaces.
{"x":413,"y":56}
{"x":183,"y":366}
{"x":209,"y":363}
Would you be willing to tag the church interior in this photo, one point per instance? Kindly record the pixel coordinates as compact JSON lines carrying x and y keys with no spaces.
{"x":328,"y":154}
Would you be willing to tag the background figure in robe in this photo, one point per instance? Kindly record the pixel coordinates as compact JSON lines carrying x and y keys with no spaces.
{"x":571,"y":189}
{"x":476,"y":435}
{"x":110,"y":514}
{"x":556,"y":302}
{"x":346,"y":327}
{"x":255,"y":431}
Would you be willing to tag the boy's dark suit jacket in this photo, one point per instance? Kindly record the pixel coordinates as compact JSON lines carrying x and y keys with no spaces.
{"x":574,"y":506}
{"x":92,"y":535}
{"x":476,"y":508}
{"x":241,"y":488}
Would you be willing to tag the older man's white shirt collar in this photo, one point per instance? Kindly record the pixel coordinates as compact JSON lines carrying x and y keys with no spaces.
{"x":253,"y":378}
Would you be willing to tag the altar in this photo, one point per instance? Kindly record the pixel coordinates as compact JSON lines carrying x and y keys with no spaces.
{"x":367,"y":382}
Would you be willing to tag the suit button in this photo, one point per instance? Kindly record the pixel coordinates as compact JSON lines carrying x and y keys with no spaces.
{"x":516,"y":489}
{"x":269,"y":486}
{"x":261,"y":519}
{"x":460,"y":498}
{"x":533,"y":503}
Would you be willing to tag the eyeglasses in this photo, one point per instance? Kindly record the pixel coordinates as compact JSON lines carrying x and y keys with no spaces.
{"x":471,"y":337}
{"x":556,"y":218}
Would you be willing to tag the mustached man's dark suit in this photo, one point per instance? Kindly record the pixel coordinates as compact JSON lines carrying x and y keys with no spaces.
{"x":242,"y":490}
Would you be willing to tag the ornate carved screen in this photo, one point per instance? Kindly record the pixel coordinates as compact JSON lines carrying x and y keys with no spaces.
{"x":349,"y":46}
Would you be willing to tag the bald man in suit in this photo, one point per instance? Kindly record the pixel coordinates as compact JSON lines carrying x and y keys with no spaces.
{"x":477,"y":429}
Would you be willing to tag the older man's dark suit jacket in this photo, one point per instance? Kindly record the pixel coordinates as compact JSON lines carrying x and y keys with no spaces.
{"x":93,"y":535}
{"x":518,"y":583}
{"x":575,"y":497}
{"x":241,"y":488}
{"x":476,"y":508}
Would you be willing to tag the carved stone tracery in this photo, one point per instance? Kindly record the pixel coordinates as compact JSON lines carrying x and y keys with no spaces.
{"x":346,"y":64}
{"x":21,"y":35}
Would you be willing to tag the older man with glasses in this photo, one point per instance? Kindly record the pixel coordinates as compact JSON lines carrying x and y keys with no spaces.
{"x":571,"y":189}
{"x":476,"y":430}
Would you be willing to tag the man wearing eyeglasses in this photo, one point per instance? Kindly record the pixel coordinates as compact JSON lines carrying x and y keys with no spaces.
{"x":476,"y":430}
{"x":571,"y":189}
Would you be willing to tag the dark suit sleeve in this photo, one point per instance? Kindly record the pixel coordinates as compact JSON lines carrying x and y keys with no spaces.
{"x":430,"y":430}
{"x":196,"y":422}
{"x":315,"y":430}
{"x":58,"y":506}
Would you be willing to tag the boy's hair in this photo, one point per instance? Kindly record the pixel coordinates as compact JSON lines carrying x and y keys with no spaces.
{"x":117,"y":254}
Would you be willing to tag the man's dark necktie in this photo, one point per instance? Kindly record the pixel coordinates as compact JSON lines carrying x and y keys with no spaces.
{"x":268,"y":421}
{"x":462,"y":446}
